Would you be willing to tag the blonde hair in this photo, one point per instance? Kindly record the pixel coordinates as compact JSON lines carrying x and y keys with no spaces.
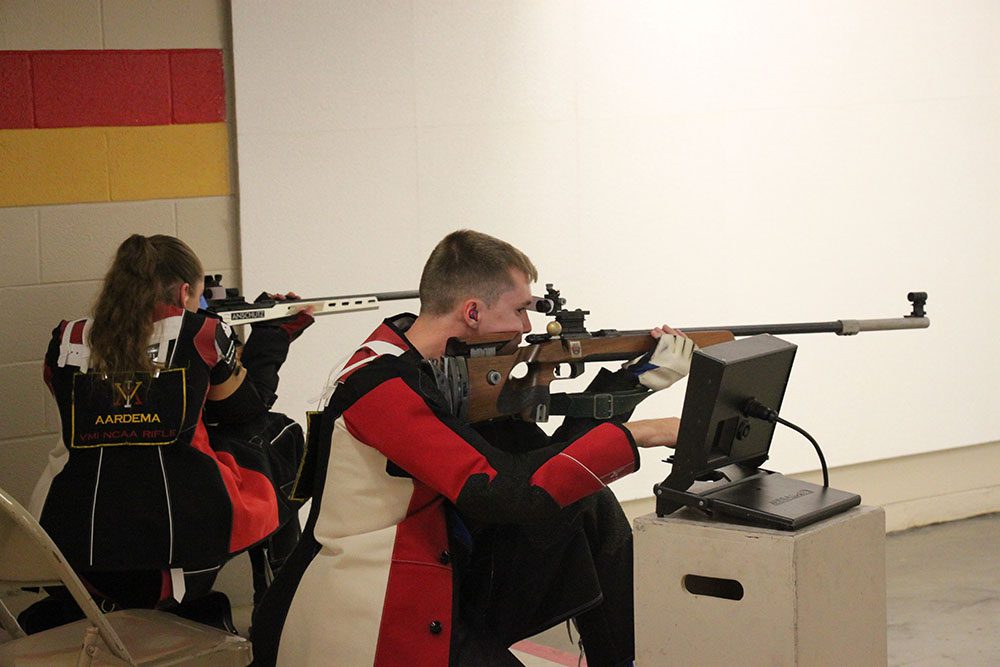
{"x":145,"y":271}
{"x":468,"y":264}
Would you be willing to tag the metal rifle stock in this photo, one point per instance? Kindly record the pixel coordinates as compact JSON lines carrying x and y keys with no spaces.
{"x":232,"y":308}
{"x":495,"y":376}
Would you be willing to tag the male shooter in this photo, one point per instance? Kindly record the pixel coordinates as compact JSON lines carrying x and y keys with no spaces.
{"x":435,"y":542}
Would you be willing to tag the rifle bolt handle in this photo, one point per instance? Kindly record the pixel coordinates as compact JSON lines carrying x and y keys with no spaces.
{"x":553,"y":328}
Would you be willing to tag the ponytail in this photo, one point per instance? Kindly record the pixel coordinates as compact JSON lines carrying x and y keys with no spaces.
{"x":146,"y":271}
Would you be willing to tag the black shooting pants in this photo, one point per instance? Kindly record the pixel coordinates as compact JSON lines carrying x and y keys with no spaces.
{"x":521,"y":580}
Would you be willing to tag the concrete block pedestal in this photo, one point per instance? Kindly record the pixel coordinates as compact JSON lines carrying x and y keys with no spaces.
{"x":713,"y":593}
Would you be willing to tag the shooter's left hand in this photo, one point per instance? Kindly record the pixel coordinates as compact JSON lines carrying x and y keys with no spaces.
{"x":667,"y":363}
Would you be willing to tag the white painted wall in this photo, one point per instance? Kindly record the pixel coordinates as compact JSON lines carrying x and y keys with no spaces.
{"x":694,"y":163}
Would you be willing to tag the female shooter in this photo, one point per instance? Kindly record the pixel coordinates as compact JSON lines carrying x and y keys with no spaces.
{"x":172,"y":462}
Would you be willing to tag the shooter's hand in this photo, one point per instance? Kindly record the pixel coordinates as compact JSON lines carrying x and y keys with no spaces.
{"x":276,"y":296}
{"x":294,"y":324}
{"x":654,"y":432}
{"x":667,"y":363}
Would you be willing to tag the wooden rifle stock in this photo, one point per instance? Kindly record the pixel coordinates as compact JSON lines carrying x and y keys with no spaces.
{"x":496,"y":390}
{"x":485,"y":377}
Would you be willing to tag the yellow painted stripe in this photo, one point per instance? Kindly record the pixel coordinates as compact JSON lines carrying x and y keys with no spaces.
{"x":53,"y":166}
{"x":166,"y":161}
{"x":86,"y":164}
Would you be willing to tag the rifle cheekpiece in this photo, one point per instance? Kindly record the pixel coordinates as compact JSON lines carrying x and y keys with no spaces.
{"x":494,"y":376}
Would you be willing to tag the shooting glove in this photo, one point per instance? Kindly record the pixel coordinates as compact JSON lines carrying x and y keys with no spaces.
{"x":293,"y":325}
{"x":669,"y":361}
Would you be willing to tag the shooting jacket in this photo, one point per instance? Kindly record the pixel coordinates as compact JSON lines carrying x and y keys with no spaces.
{"x":144,"y":485}
{"x":372,"y":579}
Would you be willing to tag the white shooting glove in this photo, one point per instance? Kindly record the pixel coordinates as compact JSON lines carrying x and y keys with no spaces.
{"x":669,"y":361}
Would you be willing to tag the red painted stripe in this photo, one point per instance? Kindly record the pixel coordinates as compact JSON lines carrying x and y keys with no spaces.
{"x":15,"y":91}
{"x":197,"y":85}
{"x":415,"y":438}
{"x":49,"y":89}
{"x":96,"y":88}
{"x":553,"y":655}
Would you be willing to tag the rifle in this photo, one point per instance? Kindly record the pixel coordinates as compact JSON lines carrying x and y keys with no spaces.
{"x":233,"y":309}
{"x":493,"y":376}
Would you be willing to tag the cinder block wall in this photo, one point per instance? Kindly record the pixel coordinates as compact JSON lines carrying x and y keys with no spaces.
{"x":75,"y":184}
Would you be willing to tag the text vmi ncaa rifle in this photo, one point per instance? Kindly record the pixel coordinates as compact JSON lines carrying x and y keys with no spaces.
{"x":481,"y":378}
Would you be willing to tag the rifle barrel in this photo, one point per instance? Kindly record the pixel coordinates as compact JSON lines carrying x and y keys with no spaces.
{"x":839,"y":327}
{"x":381,"y":296}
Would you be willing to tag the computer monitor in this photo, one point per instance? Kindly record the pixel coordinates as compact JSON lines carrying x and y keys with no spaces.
{"x":714,"y":430}
{"x":734,"y":392}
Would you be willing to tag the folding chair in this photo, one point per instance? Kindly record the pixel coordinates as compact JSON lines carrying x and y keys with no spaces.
{"x":29,"y":558}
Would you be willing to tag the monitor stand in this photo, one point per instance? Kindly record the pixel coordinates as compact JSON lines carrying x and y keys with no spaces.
{"x":756,"y":496}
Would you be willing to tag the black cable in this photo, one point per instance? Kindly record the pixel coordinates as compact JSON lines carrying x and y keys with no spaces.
{"x":819,"y":452}
{"x":754,"y":408}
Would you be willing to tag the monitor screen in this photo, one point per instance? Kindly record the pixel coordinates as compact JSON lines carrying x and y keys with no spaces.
{"x":714,"y":432}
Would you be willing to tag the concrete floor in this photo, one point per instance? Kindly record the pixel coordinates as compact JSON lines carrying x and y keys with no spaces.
{"x":943,"y":586}
{"x":943,"y":598}
{"x":943,"y":593}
